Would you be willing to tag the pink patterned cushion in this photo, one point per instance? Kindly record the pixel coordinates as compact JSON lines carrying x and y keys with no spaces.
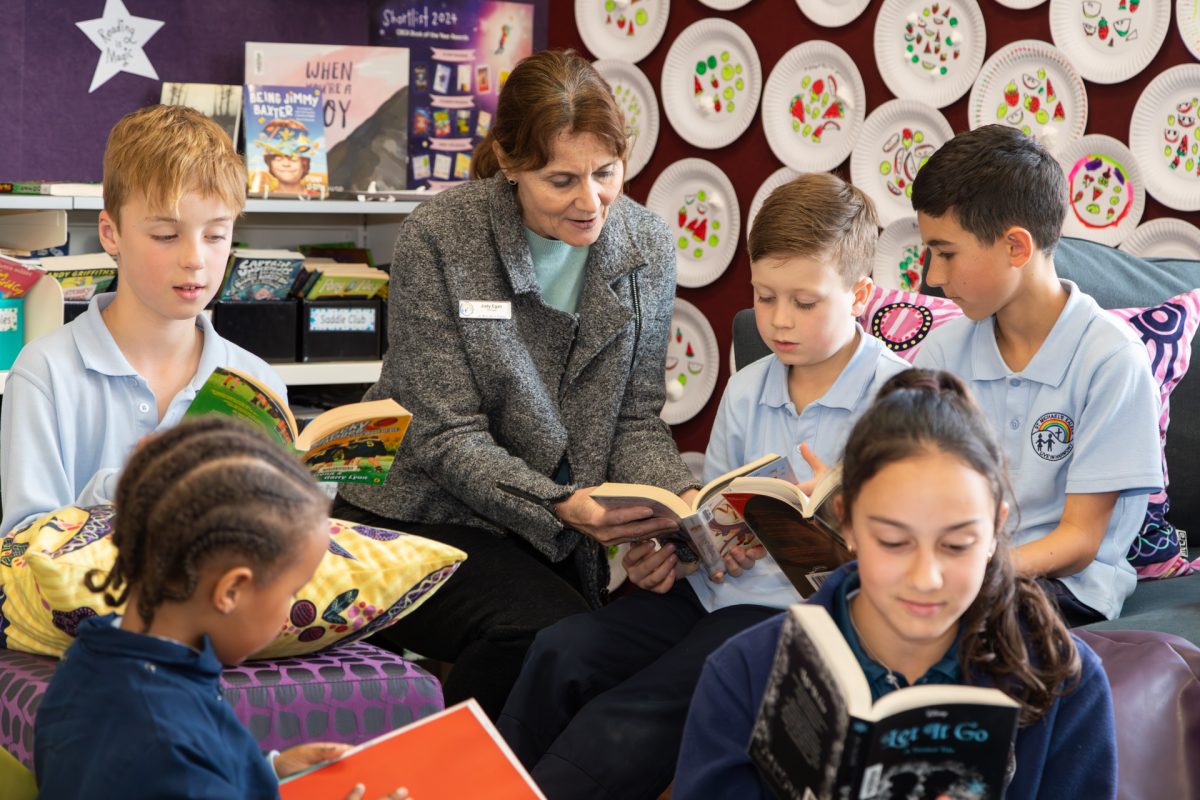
{"x":902,"y":320}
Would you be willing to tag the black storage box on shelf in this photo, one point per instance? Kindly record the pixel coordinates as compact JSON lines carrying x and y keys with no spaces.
{"x":340,"y":330}
{"x":266,"y":328}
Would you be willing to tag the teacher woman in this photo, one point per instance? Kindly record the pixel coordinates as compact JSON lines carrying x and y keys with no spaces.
{"x":529,"y":312}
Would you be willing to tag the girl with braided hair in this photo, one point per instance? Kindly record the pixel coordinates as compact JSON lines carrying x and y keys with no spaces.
{"x":216,"y":529}
{"x":932,"y":598}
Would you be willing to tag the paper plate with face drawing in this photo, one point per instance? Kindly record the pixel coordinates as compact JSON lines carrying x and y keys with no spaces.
{"x":1163,"y":136}
{"x":692,"y":363}
{"x":697,"y":201}
{"x":624,"y":29}
{"x":1105,"y":187}
{"x":1165,"y":237}
{"x":1109,"y":41}
{"x":635,"y":96}
{"x":929,"y":50}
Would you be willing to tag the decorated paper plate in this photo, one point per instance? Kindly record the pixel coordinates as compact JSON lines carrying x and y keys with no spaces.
{"x":1030,"y":85}
{"x":724,"y":5}
{"x":692,"y":363}
{"x":776,"y":179}
{"x":635,"y":96}
{"x":624,"y":29}
{"x":1109,"y":41}
{"x":930,"y":50}
{"x":1187,"y":19}
{"x":1163,"y":136}
{"x":832,"y":13}
{"x":1165,"y":237}
{"x":699,"y":204}
{"x":711,"y":82}
{"x":1021,"y":5}
{"x":899,"y":256}
{"x":1107,"y":195}
{"x":813,"y":106}
{"x":896,"y":141}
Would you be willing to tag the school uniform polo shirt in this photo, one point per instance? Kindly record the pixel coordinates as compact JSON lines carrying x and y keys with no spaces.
{"x":1080,"y":418}
{"x":74,"y":408}
{"x":756,"y":417}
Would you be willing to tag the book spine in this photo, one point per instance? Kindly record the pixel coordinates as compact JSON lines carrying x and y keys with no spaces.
{"x":24,"y":187}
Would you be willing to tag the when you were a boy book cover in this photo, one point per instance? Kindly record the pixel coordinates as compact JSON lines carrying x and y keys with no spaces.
{"x":285,"y":141}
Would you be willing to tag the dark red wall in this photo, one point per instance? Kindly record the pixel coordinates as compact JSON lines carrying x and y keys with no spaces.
{"x":776,"y":26}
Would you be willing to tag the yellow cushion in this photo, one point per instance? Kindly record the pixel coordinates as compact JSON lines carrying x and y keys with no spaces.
{"x":17,"y":781}
{"x":369,"y":579}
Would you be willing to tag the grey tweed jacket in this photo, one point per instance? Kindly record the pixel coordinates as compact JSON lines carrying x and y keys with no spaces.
{"x":498,"y":403}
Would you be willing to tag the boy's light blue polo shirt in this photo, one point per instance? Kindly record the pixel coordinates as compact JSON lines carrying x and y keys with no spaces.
{"x":74,"y":408}
{"x":756,"y":417}
{"x":1081,"y":418}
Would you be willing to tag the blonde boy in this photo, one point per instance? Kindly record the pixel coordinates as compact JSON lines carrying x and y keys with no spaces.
{"x":78,"y":399}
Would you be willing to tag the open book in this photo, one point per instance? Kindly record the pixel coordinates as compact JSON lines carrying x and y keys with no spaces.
{"x":354,"y":443}
{"x":801,"y":532}
{"x":818,"y":735}
{"x":710,"y":526}
{"x":451,"y":755}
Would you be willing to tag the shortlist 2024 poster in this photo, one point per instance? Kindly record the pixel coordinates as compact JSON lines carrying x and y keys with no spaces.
{"x":460,"y":54}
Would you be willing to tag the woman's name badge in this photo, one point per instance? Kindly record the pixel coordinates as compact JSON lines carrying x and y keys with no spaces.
{"x":484,"y":309}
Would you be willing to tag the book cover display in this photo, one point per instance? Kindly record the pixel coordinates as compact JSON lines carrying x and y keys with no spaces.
{"x":460,"y":54}
{"x":221,"y":103}
{"x":285,"y":141}
{"x":364,"y":105}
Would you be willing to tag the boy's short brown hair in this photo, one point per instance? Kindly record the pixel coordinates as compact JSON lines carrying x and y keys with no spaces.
{"x":163,"y":152}
{"x":818,"y":214}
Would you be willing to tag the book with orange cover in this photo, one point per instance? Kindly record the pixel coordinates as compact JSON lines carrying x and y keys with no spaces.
{"x":451,"y":755}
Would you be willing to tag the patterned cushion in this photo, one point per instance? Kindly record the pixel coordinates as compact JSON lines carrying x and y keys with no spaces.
{"x":902,"y":320}
{"x":369,"y":579}
{"x":350,"y":693}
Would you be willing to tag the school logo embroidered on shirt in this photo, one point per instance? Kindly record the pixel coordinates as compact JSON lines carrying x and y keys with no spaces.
{"x":1053,"y":436}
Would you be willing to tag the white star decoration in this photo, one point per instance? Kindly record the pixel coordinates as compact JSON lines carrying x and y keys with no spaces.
{"x":120,"y":38}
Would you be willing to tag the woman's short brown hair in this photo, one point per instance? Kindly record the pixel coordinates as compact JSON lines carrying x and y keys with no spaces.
{"x":548,"y":94}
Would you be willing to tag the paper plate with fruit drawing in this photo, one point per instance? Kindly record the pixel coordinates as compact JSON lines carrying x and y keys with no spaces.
{"x":899,"y":256}
{"x":711,"y":83}
{"x":624,"y":29}
{"x":1105,"y":187}
{"x":776,"y":179}
{"x":813,"y":106}
{"x":698,"y":202}
{"x":1187,"y":19}
{"x":929,"y":50}
{"x":692,"y":363}
{"x":1109,"y":41}
{"x":896,"y":141}
{"x":1031,"y":86}
{"x":635,"y":96}
{"x":1163,"y":135}
{"x":1165,"y":237}
{"x":832,"y":13}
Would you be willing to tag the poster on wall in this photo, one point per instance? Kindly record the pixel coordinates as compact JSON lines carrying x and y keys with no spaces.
{"x":460,"y":54}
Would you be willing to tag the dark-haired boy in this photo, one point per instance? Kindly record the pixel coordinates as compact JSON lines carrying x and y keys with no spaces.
{"x":1068,"y":387}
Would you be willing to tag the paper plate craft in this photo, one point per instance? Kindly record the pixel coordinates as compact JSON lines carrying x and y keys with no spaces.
{"x":1105,"y":187}
{"x":896,"y":140}
{"x":776,"y":179}
{"x":692,"y":363}
{"x":624,"y":29}
{"x":929,"y":50}
{"x":832,"y":13}
{"x":711,"y":82}
{"x":1163,"y":136}
{"x":699,"y":204}
{"x":1030,"y":85}
{"x":813,"y":106}
{"x":1165,"y":237}
{"x":1109,"y":41}
{"x":724,"y":5}
{"x":635,"y":97}
{"x":1021,"y":5}
{"x":900,"y":257}
{"x":1187,"y":19}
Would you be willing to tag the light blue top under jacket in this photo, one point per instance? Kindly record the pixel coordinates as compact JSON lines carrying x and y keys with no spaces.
{"x":756,"y":417}
{"x":1080,"y":418}
{"x":74,"y":408}
{"x":559,"y":269}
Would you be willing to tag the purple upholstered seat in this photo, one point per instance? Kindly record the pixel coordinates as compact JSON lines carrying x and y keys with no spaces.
{"x":347,"y":694}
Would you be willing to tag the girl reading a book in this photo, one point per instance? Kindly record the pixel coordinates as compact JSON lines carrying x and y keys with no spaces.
{"x":933,"y":598}
{"x":216,"y":528}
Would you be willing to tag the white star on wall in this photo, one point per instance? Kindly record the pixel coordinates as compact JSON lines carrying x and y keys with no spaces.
{"x":120,"y":38}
